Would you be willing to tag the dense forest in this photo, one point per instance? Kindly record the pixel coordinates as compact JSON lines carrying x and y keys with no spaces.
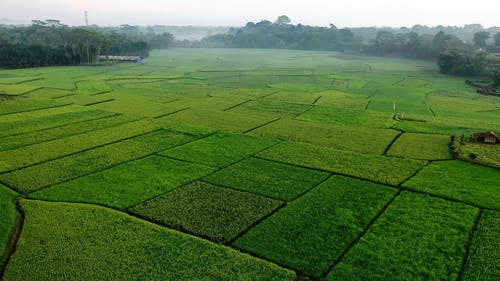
{"x":50,"y":43}
{"x":457,"y":50}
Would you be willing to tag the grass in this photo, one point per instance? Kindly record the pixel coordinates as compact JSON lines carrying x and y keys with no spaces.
{"x":387,"y":170}
{"x":206,"y":210}
{"x":126,"y":185}
{"x":421,"y":146}
{"x":418,"y":237}
{"x":460,"y":180}
{"x":276,"y":180}
{"x":311,"y":232}
{"x":62,"y":241}
{"x":8,"y":215}
{"x":484,"y":258}
{"x":43,"y":175}
{"x":219,"y":150}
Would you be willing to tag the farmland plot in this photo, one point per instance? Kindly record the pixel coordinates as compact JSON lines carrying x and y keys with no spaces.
{"x":418,"y":237}
{"x":62,"y":241}
{"x":311,"y":232}
{"x":421,"y":146}
{"x":8,"y":215}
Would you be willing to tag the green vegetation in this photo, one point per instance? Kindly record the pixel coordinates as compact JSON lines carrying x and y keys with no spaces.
{"x":36,"y":177}
{"x":268,"y":178}
{"x":421,"y":146}
{"x":127,"y":184}
{"x":460,"y":180}
{"x":8,"y":215}
{"x":484,"y":258}
{"x":311,"y":232}
{"x":388,"y":170}
{"x":342,"y":137}
{"x":62,"y":241}
{"x":206,"y":210}
{"x":286,"y":155}
{"x":219,"y":150}
{"x":418,"y":237}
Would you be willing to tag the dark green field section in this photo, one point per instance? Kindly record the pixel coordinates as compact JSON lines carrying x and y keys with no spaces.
{"x":8,"y":215}
{"x":312,"y":231}
{"x":17,"y":125}
{"x":206,"y":210}
{"x":20,"y":140}
{"x":62,"y":241}
{"x":421,"y":146}
{"x":418,"y":237}
{"x":460,"y":180}
{"x":128,"y":184}
{"x":36,"y":177}
{"x":219,"y":150}
{"x":362,"y":140}
{"x":484,"y":259}
{"x":23,"y":104}
{"x":272,"y":179}
{"x":388,"y":170}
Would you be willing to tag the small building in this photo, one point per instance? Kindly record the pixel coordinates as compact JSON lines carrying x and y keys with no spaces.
{"x":487,"y":137}
{"x":137,"y":59}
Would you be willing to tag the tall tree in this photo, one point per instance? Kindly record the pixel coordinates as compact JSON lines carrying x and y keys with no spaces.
{"x":481,"y":37}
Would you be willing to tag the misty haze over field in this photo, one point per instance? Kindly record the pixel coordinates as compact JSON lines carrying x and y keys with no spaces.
{"x":237,"y":13}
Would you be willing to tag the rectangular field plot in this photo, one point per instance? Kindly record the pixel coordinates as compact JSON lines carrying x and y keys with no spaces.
{"x":349,"y":117}
{"x":206,"y":210}
{"x":219,"y":150}
{"x":16,"y":127}
{"x":387,"y":170}
{"x":312,"y":231}
{"x":421,"y":146}
{"x":483,"y":262}
{"x":26,"y":104}
{"x":8,"y":217}
{"x":62,"y":241}
{"x":225,"y":121}
{"x":67,"y":168}
{"x":418,"y":237}
{"x":472,"y":183}
{"x":274,"y":108}
{"x":41,"y":152}
{"x":16,"y":141}
{"x":372,"y":141}
{"x":126,"y":185}
{"x":272,"y":179}
{"x":484,"y":154}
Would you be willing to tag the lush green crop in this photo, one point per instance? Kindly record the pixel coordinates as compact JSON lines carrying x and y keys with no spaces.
{"x":20,"y":140}
{"x":418,"y":237}
{"x":421,"y":146}
{"x":219,"y":150}
{"x":460,"y":180}
{"x":311,"y":232}
{"x":206,"y":210}
{"x":349,"y":117}
{"x":50,"y":121}
{"x":480,"y":153}
{"x":268,"y":178}
{"x":63,"y":241}
{"x":484,"y":258}
{"x":389,"y":170}
{"x":365,"y":140}
{"x":63,"y":169}
{"x":274,"y":108}
{"x":24,"y":105}
{"x":127,"y":184}
{"x":36,"y":115}
{"x":8,"y":216}
{"x":37,"y":153}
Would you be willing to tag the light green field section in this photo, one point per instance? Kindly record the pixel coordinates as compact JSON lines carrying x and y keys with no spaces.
{"x":62,"y":241}
{"x":421,"y":146}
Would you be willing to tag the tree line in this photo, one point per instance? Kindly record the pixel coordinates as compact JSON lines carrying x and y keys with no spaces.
{"x":51,"y":43}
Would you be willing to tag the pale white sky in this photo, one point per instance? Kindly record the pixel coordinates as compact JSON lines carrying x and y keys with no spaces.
{"x":342,"y":13}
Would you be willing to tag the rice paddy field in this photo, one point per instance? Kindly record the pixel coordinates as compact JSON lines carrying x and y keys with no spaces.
{"x":238,"y":164}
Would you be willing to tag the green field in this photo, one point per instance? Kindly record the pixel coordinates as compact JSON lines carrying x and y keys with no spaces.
{"x":246,"y":164}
